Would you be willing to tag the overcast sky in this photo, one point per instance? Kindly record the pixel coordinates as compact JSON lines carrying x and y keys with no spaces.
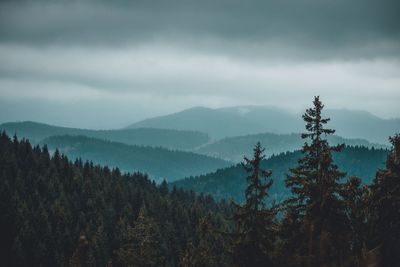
{"x":106,"y":64}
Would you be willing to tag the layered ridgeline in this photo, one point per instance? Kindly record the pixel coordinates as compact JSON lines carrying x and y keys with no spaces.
{"x":168,"y":138}
{"x":228,"y":183}
{"x":243,"y":120}
{"x":159,"y":163}
{"x":224,"y":122}
{"x":58,"y":213}
{"x":234,"y":148}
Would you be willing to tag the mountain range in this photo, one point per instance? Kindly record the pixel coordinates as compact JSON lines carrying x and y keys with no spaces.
{"x":235,"y":148}
{"x":168,"y":138}
{"x":199,"y":141}
{"x":243,"y":120}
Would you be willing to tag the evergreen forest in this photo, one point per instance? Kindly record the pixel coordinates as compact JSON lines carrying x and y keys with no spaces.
{"x":323,"y":205}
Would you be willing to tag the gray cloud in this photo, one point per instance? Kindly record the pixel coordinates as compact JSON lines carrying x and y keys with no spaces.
{"x":304,"y":28}
{"x":108,"y":63}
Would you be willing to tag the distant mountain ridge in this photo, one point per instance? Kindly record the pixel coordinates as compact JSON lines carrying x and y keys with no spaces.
{"x":234,"y":148}
{"x":158,"y":162}
{"x":224,"y":122}
{"x":243,"y":120}
{"x":168,"y":138}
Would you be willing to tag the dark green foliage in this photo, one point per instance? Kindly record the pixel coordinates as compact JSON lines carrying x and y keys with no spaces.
{"x":254,"y":234}
{"x":355,"y":197}
{"x":58,"y":213}
{"x":209,"y":250}
{"x":172,"y":139}
{"x":385,"y":202}
{"x":143,"y":244}
{"x":158,"y":162}
{"x":315,"y":187}
{"x":229,"y":183}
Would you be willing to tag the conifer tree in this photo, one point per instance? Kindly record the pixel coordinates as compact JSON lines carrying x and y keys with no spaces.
{"x":355,"y":197}
{"x":255,"y":222}
{"x":201,"y":254}
{"x":143,"y":248}
{"x":386,"y":207}
{"x":315,"y":188}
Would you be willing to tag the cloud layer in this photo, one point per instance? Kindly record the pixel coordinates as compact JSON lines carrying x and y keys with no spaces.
{"x":137,"y":59}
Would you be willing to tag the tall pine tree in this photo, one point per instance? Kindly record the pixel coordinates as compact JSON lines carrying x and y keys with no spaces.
{"x":315,"y":188}
{"x":255,"y":222}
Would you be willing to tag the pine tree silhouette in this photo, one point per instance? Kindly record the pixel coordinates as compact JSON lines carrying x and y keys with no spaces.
{"x":255,"y":222}
{"x":315,"y":188}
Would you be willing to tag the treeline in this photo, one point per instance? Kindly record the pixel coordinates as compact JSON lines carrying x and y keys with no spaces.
{"x":228,"y":182}
{"x":325,"y":222}
{"x":59,"y":213}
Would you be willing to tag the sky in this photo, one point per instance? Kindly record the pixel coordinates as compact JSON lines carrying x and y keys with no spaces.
{"x":106,"y":64}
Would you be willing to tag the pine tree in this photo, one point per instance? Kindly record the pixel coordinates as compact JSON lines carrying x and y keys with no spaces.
{"x":355,"y":197}
{"x":315,"y":188}
{"x":386,"y":207}
{"x":143,"y":248}
{"x":291,"y":239}
{"x":255,"y":222}
{"x":201,"y":254}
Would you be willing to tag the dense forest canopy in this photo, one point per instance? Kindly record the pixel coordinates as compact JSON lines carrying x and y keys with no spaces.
{"x":58,"y":213}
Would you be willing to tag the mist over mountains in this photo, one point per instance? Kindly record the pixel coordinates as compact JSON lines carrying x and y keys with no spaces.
{"x":173,"y":139}
{"x":235,"y":148}
{"x":243,"y":120}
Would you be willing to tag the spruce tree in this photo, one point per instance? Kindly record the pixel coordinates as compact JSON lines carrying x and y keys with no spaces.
{"x":255,"y":222}
{"x":143,"y":247}
{"x":201,"y":254}
{"x":315,"y":188}
{"x":386,"y":207}
{"x":355,"y":197}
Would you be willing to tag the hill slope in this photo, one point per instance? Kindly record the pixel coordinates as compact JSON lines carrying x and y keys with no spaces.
{"x":157,"y":162}
{"x":242,"y":120}
{"x":174,"y":139}
{"x":230,"y":182}
{"x":234,"y":148}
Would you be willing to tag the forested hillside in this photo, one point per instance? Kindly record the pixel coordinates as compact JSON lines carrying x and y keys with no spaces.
{"x":59,"y":213}
{"x":234,"y":148}
{"x":168,"y":138}
{"x":159,"y":163}
{"x":229,"y":183}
